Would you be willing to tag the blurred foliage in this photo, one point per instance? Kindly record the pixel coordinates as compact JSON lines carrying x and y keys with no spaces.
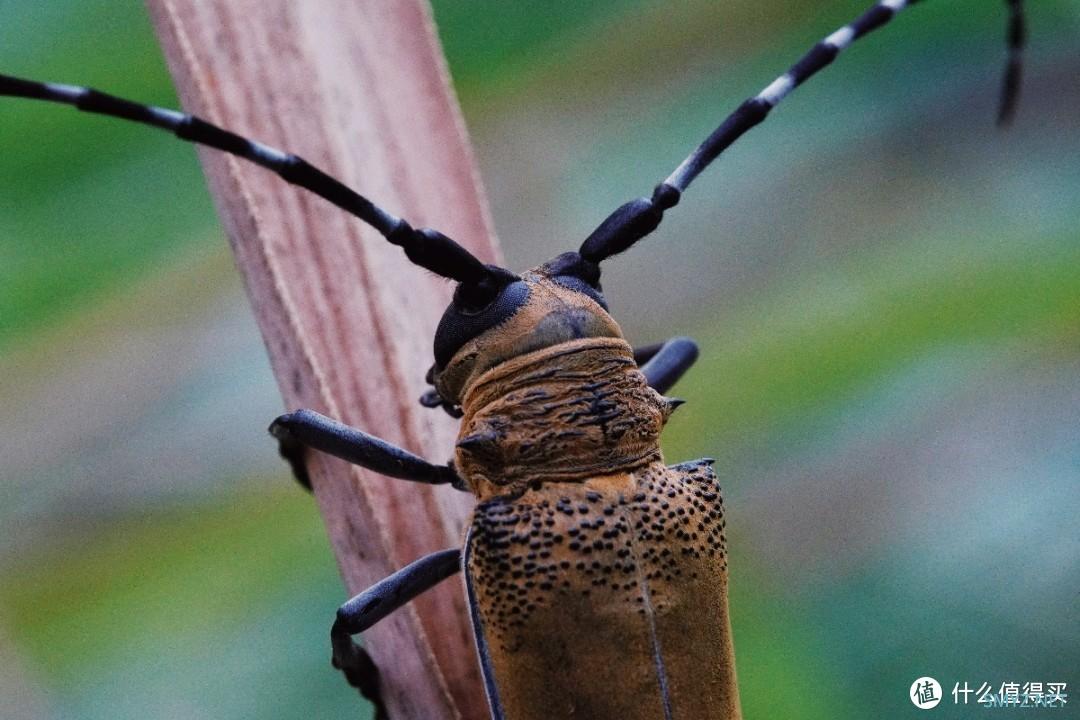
{"x":81,"y":200}
{"x":885,"y":290}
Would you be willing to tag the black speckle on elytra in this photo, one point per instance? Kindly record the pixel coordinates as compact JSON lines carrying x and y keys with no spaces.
{"x":529,"y":554}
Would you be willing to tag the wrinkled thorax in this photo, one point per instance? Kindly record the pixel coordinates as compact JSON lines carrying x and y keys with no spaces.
{"x":569,"y":412}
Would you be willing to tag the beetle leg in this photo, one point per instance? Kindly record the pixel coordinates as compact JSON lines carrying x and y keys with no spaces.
{"x":664,"y":363}
{"x":307,"y":428}
{"x":363,"y":674}
{"x":432,"y":399}
{"x":375,"y":603}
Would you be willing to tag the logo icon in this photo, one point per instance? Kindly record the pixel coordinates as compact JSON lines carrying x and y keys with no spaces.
{"x":925,"y":693}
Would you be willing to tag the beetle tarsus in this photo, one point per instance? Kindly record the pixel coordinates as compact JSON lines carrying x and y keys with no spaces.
{"x":360,"y":671}
{"x":432,"y":399}
{"x":371,"y":606}
{"x":292,"y":451}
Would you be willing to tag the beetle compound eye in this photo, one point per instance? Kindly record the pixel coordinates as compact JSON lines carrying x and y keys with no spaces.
{"x":576,"y":273}
{"x":474,"y":299}
{"x":578,"y":285}
{"x":472,"y":313}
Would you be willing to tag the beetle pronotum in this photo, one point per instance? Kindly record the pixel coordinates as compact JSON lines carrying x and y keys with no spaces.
{"x":580,"y":526}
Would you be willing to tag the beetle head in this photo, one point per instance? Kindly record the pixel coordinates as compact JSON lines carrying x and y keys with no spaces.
{"x":558,"y":301}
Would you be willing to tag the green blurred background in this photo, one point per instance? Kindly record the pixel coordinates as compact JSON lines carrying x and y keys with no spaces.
{"x":885,"y":288}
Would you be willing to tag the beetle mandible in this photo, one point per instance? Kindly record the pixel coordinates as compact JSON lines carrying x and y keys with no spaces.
{"x":596,"y":575}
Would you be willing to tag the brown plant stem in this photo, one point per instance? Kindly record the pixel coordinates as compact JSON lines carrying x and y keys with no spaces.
{"x":360,"y":89}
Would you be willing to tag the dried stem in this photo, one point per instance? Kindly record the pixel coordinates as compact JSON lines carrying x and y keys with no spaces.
{"x":359,"y":88}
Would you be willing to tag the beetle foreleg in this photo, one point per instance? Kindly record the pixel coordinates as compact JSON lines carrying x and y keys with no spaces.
{"x":307,"y":428}
{"x":363,"y":674}
{"x":371,"y":606}
{"x":663,"y":364}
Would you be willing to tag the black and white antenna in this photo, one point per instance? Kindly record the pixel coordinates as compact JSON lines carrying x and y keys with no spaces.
{"x":1015,"y":37}
{"x":436,"y":252}
{"x":425,"y":247}
{"x":637,"y":218}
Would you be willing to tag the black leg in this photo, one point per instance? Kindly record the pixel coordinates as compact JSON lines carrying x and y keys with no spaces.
{"x":292,"y":451}
{"x":373,"y":605}
{"x":363,"y":674}
{"x":432,"y":399}
{"x":307,"y":428}
{"x":664,"y":363}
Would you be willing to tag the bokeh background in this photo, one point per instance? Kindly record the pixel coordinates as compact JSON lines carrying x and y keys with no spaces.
{"x":886,"y":290}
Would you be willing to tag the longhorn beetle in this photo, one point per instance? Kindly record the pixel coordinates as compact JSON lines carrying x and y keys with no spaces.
{"x":596,"y":575}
